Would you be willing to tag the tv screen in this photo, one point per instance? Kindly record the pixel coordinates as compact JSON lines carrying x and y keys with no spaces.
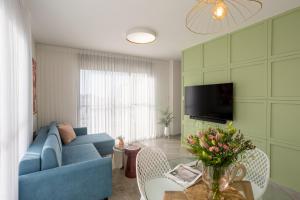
{"x":210,"y":102}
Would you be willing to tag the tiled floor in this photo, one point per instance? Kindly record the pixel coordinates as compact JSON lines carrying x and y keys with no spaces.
{"x":127,"y":189}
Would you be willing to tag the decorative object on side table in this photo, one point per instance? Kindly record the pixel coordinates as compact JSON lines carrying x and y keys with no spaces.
{"x":220,"y":151}
{"x":165,"y":120}
{"x":120,"y":142}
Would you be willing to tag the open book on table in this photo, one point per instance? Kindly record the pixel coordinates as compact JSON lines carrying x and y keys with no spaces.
{"x":184,"y":175}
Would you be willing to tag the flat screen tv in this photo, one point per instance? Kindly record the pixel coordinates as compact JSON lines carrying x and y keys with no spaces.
{"x":210,"y":102}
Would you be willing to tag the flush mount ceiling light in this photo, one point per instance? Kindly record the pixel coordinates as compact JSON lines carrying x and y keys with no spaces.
{"x":140,"y":35}
{"x":212,"y":16}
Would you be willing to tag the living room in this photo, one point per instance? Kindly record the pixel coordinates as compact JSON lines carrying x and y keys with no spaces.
{"x":195,"y":99}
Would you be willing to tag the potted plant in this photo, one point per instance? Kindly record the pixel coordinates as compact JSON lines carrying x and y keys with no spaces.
{"x":219,"y":149}
{"x":165,"y":120}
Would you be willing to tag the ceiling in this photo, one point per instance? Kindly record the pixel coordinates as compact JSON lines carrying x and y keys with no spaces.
{"x":102,"y":24}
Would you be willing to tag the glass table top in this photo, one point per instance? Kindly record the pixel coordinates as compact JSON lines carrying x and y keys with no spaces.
{"x":273,"y":192}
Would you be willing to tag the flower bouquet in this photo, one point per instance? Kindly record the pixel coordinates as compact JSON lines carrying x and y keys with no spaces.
{"x":217,"y":149}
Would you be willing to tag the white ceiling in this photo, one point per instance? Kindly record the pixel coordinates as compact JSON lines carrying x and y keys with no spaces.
{"x":102,"y":24}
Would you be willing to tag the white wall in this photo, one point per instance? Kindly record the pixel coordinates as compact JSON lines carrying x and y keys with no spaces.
{"x":33,"y":51}
{"x":161,"y":72}
{"x":58,"y":80}
{"x":57,"y":84}
{"x":175,"y":95}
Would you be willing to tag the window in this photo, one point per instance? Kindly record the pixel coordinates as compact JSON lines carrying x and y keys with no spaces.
{"x":118,"y":103}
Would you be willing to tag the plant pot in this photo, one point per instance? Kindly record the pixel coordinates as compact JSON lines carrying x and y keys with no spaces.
{"x":166,"y":131}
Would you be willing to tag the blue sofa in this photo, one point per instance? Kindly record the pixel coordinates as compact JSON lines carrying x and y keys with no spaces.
{"x":52,"y":171}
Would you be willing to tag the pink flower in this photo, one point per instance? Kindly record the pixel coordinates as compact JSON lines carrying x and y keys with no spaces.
{"x":216,"y":149}
{"x":220,"y":144}
{"x":225,"y":147}
{"x":211,"y":149}
{"x":203,"y":144}
{"x":191,"y":140}
{"x":200,"y":134}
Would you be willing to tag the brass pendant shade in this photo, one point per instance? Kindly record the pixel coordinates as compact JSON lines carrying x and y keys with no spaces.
{"x":213,"y":16}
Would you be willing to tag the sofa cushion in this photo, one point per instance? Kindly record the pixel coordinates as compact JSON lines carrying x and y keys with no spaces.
{"x":103,"y":142}
{"x":80,"y":131}
{"x":66,"y":132}
{"x":79,"y":153}
{"x":51,"y":154}
{"x":31,"y":161}
{"x":53,"y":130}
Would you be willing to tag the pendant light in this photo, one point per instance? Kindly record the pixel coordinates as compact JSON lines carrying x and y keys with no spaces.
{"x":212,"y":16}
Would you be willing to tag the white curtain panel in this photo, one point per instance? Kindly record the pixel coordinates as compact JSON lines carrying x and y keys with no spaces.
{"x":117,"y":95}
{"x":16,"y":93}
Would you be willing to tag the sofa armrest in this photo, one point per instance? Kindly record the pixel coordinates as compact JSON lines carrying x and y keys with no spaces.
{"x":88,"y":180}
{"x":80,"y":131}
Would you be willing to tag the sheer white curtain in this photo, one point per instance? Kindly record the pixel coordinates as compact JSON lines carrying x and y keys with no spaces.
{"x":15,"y":93}
{"x":117,"y":95}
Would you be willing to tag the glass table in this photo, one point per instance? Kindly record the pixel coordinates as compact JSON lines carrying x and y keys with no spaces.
{"x":184,"y":159}
{"x":155,"y":188}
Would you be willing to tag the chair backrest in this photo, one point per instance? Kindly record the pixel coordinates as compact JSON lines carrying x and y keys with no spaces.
{"x":257,"y":164}
{"x":150,"y":163}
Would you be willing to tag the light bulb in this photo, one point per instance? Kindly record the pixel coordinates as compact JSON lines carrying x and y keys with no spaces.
{"x":219,"y":10}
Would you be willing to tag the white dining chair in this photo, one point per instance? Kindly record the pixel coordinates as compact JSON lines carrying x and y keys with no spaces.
{"x":150,"y":163}
{"x":257,"y":164}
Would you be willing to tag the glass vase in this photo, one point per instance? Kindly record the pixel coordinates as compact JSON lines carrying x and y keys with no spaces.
{"x":217,"y":179}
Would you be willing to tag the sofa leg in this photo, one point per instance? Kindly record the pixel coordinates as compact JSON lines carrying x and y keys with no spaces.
{"x":105,"y":198}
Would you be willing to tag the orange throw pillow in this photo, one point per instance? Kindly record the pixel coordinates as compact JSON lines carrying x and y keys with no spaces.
{"x":66,"y":133}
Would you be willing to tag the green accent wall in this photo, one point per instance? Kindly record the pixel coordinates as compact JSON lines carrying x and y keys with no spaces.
{"x":263,"y":62}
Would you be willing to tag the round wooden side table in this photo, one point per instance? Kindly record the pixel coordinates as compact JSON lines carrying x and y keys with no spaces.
{"x":131,"y":152}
